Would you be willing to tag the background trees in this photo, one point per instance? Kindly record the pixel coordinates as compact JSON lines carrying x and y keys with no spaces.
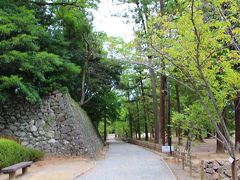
{"x":195,"y":44}
{"x":51,"y":45}
{"x":27,"y":69}
{"x":192,"y":46}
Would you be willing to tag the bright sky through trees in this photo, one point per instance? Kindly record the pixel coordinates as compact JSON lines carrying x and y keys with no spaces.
{"x":104,"y":20}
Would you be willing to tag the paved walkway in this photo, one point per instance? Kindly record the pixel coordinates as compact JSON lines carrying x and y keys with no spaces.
{"x":129,"y":162}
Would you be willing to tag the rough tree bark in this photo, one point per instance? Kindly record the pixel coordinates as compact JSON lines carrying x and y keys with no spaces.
{"x":138,"y":121}
{"x":178,"y":131}
{"x":130,"y":117}
{"x":155,"y":103}
{"x":84,"y":74}
{"x":162,"y":92}
{"x":177,"y":97}
{"x":144,"y":20}
{"x":162,"y":6}
{"x":225,"y":137}
{"x":162,"y":109}
{"x":85,"y":71}
{"x":144,"y":107}
{"x":138,"y":128}
{"x":220,"y":147}
{"x":237,"y":121}
{"x":150,"y":127}
{"x":169,"y":116}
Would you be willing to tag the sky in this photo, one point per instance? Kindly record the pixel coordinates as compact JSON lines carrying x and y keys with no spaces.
{"x":112,"y":25}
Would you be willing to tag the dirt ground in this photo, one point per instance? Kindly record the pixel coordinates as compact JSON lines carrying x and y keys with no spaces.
{"x":56,"y":168}
{"x":204,"y":150}
{"x":200,"y":151}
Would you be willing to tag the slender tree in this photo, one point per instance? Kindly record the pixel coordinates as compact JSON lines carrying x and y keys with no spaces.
{"x":237,"y":121}
{"x":144,"y":106}
{"x":169,"y":134}
{"x":220,"y":146}
{"x":130,"y":116}
{"x":178,"y":108}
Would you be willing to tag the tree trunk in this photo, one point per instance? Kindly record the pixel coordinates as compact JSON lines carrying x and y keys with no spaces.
{"x":134,"y":124}
{"x":84,"y":74}
{"x":155,"y":104}
{"x":144,"y":108}
{"x":138,"y":121}
{"x":237,"y":121}
{"x":188,"y":144}
{"x":177,"y":98}
{"x":105,"y":128}
{"x":162,"y":109}
{"x":234,"y":170}
{"x":208,"y":135}
{"x":162,"y":6}
{"x":162,"y":92}
{"x":178,"y":130}
{"x":220,"y":147}
{"x":152,"y":132}
{"x":130,"y":118}
{"x":148,"y":118}
{"x":199,"y":136}
{"x":130,"y":123}
{"x":169,"y":116}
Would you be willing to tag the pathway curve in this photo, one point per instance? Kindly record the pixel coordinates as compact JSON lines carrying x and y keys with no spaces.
{"x":129,"y":162}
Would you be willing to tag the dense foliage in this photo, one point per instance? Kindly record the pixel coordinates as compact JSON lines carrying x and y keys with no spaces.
{"x":193,"y":47}
{"x":12,"y":153}
{"x":27,"y":69}
{"x":185,"y":59}
{"x":51,"y":45}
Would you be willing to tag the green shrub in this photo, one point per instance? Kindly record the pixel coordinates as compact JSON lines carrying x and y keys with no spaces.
{"x":11,"y":153}
{"x":35,"y":155}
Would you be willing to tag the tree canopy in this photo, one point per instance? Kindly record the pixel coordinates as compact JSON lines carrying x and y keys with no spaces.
{"x":51,"y":45}
{"x":181,"y":71}
{"x":27,"y":69}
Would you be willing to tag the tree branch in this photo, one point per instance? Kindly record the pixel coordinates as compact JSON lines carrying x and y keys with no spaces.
{"x":229,"y":31}
{"x":225,"y":135}
{"x":54,"y":3}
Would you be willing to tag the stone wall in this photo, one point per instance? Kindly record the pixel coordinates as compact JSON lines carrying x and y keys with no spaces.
{"x":56,"y":126}
{"x":215,"y":167}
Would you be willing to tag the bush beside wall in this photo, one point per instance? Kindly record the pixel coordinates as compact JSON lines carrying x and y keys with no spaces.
{"x":11,"y":153}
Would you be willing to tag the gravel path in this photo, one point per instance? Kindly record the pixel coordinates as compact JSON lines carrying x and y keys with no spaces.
{"x":129,"y":162}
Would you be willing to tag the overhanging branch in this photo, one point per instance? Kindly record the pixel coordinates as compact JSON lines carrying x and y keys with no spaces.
{"x":55,"y":3}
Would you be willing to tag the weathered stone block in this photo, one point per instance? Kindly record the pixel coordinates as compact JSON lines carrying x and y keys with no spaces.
{"x":35,"y":134}
{"x":20,"y":133}
{"x":52,"y":141}
{"x":209,"y":171}
{"x":41,"y":133}
{"x":13,"y":127}
{"x":33,"y":128}
{"x":6,"y":132}
{"x":2,"y":126}
{"x":24,"y":143}
{"x":50,"y":134}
